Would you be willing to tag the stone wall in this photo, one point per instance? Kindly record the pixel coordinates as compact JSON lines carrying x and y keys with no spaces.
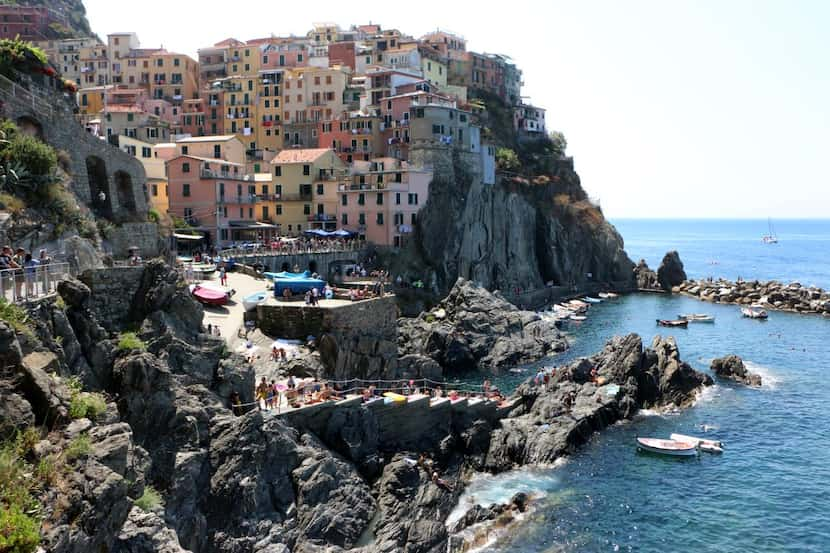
{"x":113,"y":290}
{"x":38,"y":105}
{"x":357,"y":340}
{"x":144,"y":236}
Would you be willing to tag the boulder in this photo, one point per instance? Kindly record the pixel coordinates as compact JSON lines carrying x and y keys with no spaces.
{"x":645,"y":278}
{"x":74,"y":293}
{"x":732,"y":368}
{"x":671,"y":273}
{"x":145,"y":532}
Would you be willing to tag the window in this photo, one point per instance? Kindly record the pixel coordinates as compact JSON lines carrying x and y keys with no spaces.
{"x":250,"y":213}
{"x":130,"y":117}
{"x":462,"y":117}
{"x":379,"y":218}
{"x":319,"y":189}
{"x":306,"y":169}
{"x":146,"y":152}
{"x":217,"y":151}
{"x":361,"y":199}
{"x":398,"y":218}
{"x":379,"y":197}
{"x":265,"y":212}
{"x":186,"y":190}
{"x":306,"y":209}
{"x":344,"y":199}
{"x":279,"y":209}
{"x":413,"y":199}
{"x":176,"y":62}
{"x":188,"y":214}
{"x":185,"y":167}
{"x":184,"y":150}
{"x":412,"y":219}
{"x":277,"y":171}
{"x":397,"y":198}
{"x":344,"y":219}
{"x":264,"y":188}
{"x":155,"y":189}
{"x":419,"y":113}
{"x":278,"y":189}
{"x":361,"y":219}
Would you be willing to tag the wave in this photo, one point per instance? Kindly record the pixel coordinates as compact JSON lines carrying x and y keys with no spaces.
{"x":769,"y":379}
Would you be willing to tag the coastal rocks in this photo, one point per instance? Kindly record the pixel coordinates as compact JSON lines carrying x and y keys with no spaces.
{"x":671,"y":273}
{"x":146,"y":533}
{"x":553,"y":421}
{"x":472,"y":328}
{"x":646,"y":278}
{"x":732,"y":367}
{"x":771,"y":294}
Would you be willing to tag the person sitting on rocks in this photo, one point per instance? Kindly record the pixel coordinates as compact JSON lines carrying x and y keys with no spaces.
{"x":373,"y":391}
{"x":236,"y":403}
{"x":594,"y":375}
{"x":275,"y":353}
{"x":407,"y":388}
{"x":453,"y":395}
{"x":262,"y":391}
{"x":441,"y":483}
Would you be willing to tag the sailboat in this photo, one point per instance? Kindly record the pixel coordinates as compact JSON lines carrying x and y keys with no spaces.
{"x":770,"y":237}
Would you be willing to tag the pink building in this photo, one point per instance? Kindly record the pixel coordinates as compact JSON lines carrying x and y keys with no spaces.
{"x":282,"y":53}
{"x":382,"y":200}
{"x":342,"y":53}
{"x":354,"y":136}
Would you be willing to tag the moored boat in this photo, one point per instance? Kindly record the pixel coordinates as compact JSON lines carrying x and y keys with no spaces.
{"x":754,"y":311}
{"x":608,"y":295}
{"x":203,"y":269}
{"x":673,"y":324}
{"x":697,"y":318}
{"x":711,"y":446}
{"x":577,"y":318}
{"x":589,"y":299}
{"x":667,"y":447}
{"x":209,"y":296}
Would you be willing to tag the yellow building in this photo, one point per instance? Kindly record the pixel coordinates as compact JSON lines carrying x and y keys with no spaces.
{"x":65,"y":54}
{"x":91,"y":99}
{"x":268,"y":122}
{"x":153,"y":158}
{"x":305,"y":185}
{"x":311,"y":95}
{"x":174,"y":77}
{"x":242,"y":59}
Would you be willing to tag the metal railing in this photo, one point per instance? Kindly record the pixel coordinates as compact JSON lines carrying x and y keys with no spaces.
{"x":30,"y":283}
{"x":294,"y":248}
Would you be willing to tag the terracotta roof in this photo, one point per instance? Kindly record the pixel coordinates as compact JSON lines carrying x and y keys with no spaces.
{"x":306,"y":155}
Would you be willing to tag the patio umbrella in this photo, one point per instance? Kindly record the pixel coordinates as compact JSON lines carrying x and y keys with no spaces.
{"x":341,"y":232}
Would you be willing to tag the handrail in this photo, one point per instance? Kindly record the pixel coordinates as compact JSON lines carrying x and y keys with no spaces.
{"x":29,"y":283}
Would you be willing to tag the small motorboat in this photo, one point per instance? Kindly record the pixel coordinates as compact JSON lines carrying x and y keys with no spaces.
{"x":679,"y":323}
{"x":577,"y":318}
{"x":205,"y":270}
{"x":589,"y":299}
{"x":667,"y":447}
{"x":184,"y":259}
{"x":209,"y":296}
{"x":697,"y":318}
{"x":608,"y":295}
{"x":754,"y":311}
{"x":214,"y":286}
{"x":711,"y":446}
{"x":250,"y":302}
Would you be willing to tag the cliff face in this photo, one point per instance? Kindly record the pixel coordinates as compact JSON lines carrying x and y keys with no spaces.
{"x":517,"y":233}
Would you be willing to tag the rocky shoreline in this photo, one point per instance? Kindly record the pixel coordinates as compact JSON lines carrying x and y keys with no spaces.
{"x":253,"y":483}
{"x":778,"y":296}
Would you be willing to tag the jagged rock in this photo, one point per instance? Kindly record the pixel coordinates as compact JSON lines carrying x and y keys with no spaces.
{"x":415,"y":366}
{"x":146,"y":533}
{"x":80,"y":254}
{"x":74,"y":293}
{"x":732,"y":367}
{"x":49,"y":398}
{"x":645,"y":278}
{"x":10,"y":354}
{"x":479,"y":329}
{"x":15,"y":412}
{"x":671,"y":273}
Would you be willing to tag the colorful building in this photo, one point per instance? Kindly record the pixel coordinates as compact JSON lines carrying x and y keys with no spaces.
{"x":381,"y":200}
{"x":529,"y":120}
{"x":353,"y":136}
{"x":27,"y":22}
{"x":226,"y":147}
{"x":311,"y":95}
{"x":153,"y":157}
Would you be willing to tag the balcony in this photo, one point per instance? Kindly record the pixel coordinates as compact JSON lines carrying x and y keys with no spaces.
{"x":210,"y":174}
{"x":296,"y":197}
{"x":322,"y":217}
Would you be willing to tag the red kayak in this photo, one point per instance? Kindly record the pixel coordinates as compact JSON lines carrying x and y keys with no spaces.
{"x":209,"y":296}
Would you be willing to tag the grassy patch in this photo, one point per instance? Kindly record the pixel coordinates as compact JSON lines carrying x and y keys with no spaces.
{"x":150,"y":500}
{"x":78,"y":446}
{"x":12,"y":204}
{"x":15,"y":316}
{"x":128,"y":341}
{"x":84,"y":404}
{"x":19,"y":525}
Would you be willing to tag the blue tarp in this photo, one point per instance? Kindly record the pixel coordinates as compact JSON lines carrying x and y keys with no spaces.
{"x":286,"y":275}
{"x":297,"y":285}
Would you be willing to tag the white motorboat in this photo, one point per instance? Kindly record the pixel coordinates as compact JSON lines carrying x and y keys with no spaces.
{"x":697,"y":318}
{"x":577,"y":318}
{"x":754,"y":311}
{"x":204,"y":270}
{"x":608,"y":295}
{"x":250,"y":302}
{"x":667,"y":447}
{"x":711,"y":446}
{"x":589,"y":299}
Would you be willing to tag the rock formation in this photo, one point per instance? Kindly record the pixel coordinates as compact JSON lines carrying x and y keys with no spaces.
{"x":772,"y":295}
{"x":732,"y":367}
{"x":645,"y":278}
{"x":670,"y":273}
{"x":473,"y":328}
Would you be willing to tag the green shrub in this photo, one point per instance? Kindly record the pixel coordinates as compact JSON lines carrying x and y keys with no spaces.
{"x":84,"y":404}
{"x":12,"y":204}
{"x":150,"y":500}
{"x":128,"y":341}
{"x":40,"y":159}
{"x":15,"y":316}
{"x":78,"y":446}
{"x":19,"y":529}
{"x":153,"y":215}
{"x":506,"y":159}
{"x":19,"y":532}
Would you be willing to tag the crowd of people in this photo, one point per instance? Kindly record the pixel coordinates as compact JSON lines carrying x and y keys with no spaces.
{"x":20,"y":268}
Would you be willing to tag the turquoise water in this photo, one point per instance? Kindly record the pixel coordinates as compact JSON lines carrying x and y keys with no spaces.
{"x":770,"y":490}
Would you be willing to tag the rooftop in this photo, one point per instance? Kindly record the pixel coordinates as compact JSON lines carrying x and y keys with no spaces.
{"x":306,"y":155}
{"x":217,"y":138}
{"x":210,"y":160}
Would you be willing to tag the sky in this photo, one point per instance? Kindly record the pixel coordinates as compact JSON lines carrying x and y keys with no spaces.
{"x":681,"y":108}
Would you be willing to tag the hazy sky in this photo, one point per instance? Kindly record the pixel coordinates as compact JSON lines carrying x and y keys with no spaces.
{"x":677,"y":108}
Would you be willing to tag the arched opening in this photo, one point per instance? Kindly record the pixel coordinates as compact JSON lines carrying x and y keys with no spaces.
{"x":124,"y":188}
{"x":99,"y":193}
{"x":31,"y":126}
{"x":312,"y":266}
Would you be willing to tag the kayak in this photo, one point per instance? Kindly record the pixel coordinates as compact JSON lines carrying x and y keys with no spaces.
{"x":394,"y":398}
{"x":712,"y":446}
{"x":667,"y":447}
{"x":208,"y":296}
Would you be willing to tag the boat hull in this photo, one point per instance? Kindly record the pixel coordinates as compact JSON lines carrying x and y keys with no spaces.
{"x":210,"y":297}
{"x":697,"y":318}
{"x":710,"y":446}
{"x":672,"y":324}
{"x":667,"y":447}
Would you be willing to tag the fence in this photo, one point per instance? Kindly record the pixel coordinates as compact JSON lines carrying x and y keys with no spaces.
{"x":30,"y":283}
{"x":294,"y":248}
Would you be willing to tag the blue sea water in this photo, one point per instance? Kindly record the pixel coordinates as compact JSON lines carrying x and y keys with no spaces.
{"x":770,"y":490}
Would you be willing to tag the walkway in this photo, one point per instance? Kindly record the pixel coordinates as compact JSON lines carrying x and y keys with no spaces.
{"x":23,"y":285}
{"x":231,"y":316}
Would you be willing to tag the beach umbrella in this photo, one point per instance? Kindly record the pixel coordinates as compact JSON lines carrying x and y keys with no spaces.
{"x":341,"y":232}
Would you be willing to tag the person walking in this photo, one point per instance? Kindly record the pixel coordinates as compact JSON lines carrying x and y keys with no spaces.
{"x":223,"y":276}
{"x":29,"y":272}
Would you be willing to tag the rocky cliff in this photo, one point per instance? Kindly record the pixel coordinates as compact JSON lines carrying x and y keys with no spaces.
{"x":516,"y":235}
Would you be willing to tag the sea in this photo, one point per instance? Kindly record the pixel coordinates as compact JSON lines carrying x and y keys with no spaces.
{"x":770,"y":489}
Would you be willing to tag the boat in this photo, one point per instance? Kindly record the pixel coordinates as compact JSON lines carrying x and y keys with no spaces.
{"x":250,"y":302}
{"x":208,"y":296}
{"x":286,"y":275}
{"x":680,"y":323}
{"x":591,"y":300}
{"x":754,"y":311}
{"x":608,"y":295}
{"x":697,"y":318}
{"x":770,"y":237}
{"x":207,"y":284}
{"x":203,"y":269}
{"x":577,"y":318}
{"x":297,"y":286}
{"x":667,"y":447}
{"x":711,"y":446}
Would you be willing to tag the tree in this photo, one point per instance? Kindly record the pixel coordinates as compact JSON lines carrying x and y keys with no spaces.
{"x":507,"y":160}
{"x":559,"y":143}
